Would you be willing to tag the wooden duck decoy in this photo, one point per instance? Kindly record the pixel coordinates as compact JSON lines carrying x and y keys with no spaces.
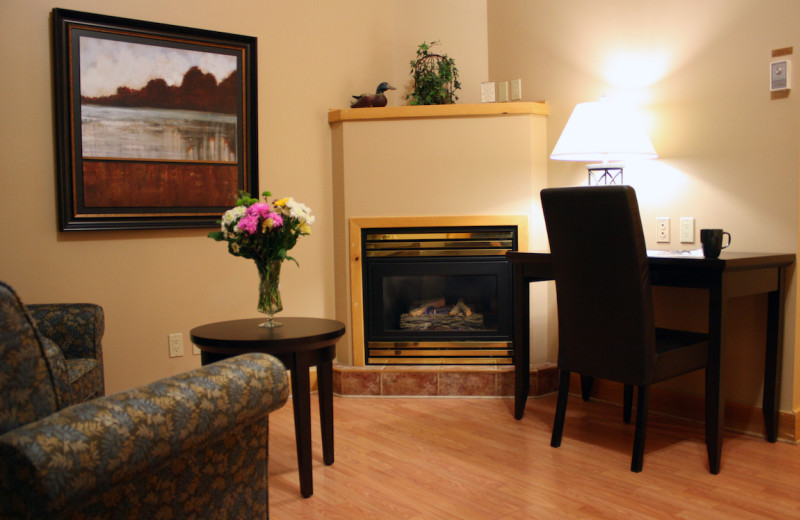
{"x":378,"y":99}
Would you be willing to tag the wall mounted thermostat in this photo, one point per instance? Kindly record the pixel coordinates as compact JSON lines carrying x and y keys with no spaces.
{"x":780,"y":73}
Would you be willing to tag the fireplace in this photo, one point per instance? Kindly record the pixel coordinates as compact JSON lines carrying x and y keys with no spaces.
{"x":437,"y":295}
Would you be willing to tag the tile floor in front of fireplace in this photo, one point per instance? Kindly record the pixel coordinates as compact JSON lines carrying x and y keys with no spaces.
{"x":438,"y":381}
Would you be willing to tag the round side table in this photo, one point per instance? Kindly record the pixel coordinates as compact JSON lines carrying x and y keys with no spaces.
{"x":299,"y":344}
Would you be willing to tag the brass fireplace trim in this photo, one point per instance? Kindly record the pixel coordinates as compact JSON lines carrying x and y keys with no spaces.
{"x":449,"y":353}
{"x":357,"y":283}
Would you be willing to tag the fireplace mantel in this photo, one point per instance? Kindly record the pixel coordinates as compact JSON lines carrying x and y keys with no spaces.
{"x":431,"y":111}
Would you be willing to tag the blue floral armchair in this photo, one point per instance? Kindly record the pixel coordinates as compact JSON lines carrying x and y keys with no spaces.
{"x":189,"y":446}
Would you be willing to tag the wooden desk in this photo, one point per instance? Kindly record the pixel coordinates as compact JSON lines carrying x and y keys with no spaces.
{"x":299,"y":344}
{"x":730,"y":276}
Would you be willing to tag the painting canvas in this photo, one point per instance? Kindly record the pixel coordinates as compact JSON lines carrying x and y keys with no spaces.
{"x":156,"y":123}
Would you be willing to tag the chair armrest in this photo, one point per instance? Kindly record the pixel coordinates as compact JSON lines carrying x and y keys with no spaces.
{"x":77,"y":328}
{"x":83,"y":449}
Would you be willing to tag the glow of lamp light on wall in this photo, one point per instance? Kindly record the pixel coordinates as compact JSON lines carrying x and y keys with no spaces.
{"x":634,"y":69}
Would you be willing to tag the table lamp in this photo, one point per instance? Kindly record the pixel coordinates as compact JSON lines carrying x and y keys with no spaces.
{"x":603,"y":131}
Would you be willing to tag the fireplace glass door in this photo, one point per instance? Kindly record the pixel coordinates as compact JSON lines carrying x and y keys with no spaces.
{"x":429,"y":304}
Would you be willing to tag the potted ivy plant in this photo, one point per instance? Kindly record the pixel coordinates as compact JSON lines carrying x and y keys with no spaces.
{"x":435,"y":78}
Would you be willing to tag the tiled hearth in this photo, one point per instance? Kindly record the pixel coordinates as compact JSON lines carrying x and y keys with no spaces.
{"x":439,"y":381}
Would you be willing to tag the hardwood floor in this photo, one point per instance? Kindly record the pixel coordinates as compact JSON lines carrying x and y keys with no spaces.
{"x":467,"y":458}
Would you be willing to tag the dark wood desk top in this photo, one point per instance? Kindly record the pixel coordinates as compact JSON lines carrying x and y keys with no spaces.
{"x":246,"y":336}
{"x":727,"y":260}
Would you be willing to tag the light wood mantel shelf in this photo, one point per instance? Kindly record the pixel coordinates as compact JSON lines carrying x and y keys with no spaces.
{"x":431,"y":111}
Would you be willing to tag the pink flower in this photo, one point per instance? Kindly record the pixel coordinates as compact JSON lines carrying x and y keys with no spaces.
{"x":277,"y":220}
{"x":248,"y":223}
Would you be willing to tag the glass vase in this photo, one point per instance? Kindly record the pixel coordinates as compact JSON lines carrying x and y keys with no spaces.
{"x":269,"y":295}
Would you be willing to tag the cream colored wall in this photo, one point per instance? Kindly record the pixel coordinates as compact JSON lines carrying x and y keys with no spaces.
{"x":698,"y":71}
{"x":312,"y":56}
{"x":460,"y":26}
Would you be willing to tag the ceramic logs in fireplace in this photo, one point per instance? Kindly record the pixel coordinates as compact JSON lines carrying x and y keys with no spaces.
{"x":438,"y":295}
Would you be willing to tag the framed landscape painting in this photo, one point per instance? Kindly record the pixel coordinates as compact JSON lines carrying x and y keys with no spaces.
{"x":155,"y":123}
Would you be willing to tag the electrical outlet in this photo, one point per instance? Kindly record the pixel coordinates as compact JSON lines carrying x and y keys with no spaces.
{"x":176,"y":345}
{"x":687,"y":230}
{"x":662,"y":229}
{"x":195,"y":350}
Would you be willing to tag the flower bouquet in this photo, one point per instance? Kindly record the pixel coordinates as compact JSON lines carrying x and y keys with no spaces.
{"x":264,"y":232}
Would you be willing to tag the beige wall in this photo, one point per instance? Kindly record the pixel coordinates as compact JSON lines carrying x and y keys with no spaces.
{"x":698,"y":71}
{"x":312,"y":56}
{"x":459,"y":26}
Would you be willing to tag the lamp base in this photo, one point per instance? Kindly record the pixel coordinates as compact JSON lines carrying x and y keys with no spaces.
{"x":605,"y":174}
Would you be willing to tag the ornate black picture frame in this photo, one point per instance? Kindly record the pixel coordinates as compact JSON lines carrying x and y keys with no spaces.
{"x":156,"y":124}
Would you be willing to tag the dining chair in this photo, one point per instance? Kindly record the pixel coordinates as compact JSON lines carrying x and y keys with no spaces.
{"x":606,"y":324}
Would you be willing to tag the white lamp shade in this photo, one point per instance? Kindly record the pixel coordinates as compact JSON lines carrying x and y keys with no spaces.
{"x":603,"y":131}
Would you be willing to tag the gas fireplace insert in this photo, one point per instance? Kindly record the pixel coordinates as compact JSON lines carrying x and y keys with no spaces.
{"x":438,"y":295}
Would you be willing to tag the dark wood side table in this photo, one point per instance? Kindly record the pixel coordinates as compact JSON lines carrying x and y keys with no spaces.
{"x":299,"y":344}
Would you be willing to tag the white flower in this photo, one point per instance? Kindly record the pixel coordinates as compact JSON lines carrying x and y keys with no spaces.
{"x":300,"y":211}
{"x":231,"y":217}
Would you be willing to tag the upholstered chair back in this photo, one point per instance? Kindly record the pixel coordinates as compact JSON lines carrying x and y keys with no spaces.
{"x":27,"y":389}
{"x":606,"y":324}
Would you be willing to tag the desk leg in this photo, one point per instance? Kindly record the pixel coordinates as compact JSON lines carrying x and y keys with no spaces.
{"x":772,"y":366}
{"x":522,"y":341}
{"x":715,"y":395}
{"x":301,"y":401}
{"x":325,"y":382}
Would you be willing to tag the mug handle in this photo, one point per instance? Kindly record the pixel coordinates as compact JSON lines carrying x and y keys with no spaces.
{"x":729,"y":239}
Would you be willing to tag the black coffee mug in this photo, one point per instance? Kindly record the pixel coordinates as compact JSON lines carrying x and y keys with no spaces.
{"x":712,"y":242}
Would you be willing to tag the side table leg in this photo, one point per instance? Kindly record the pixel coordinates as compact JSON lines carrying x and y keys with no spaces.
{"x":325,"y":382}
{"x":301,"y":401}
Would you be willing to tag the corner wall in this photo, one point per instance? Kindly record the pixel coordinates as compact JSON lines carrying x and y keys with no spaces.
{"x":728,"y":154}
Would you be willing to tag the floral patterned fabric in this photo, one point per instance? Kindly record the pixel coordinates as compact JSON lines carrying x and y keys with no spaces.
{"x":26,"y":387}
{"x":190,"y":446}
{"x":60,"y":373}
{"x":77,"y":329}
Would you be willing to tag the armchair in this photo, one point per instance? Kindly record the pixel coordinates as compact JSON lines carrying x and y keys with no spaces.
{"x":188,"y":446}
{"x":76,"y":329}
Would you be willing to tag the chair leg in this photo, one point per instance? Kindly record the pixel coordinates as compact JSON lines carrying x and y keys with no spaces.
{"x":586,"y":387}
{"x":627,"y":403}
{"x":641,"y":427}
{"x":561,"y":409}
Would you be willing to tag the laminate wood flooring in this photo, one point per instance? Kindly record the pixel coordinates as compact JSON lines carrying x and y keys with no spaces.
{"x":468,"y":458}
